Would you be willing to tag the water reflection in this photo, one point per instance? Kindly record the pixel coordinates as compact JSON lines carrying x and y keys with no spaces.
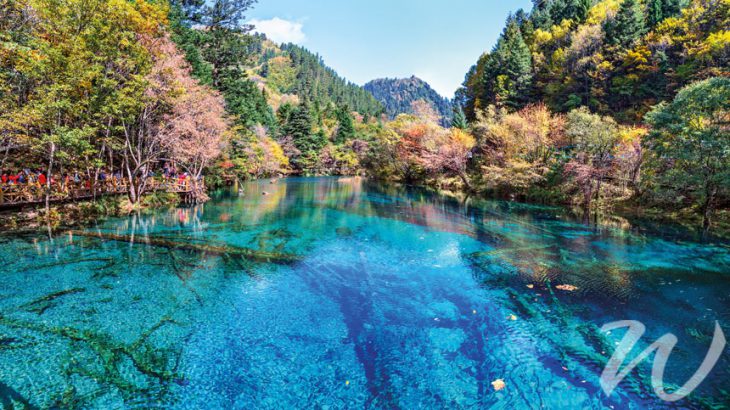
{"x":346,"y":293}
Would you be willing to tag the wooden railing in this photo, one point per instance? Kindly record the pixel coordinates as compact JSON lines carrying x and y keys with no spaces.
{"x":31,"y":193}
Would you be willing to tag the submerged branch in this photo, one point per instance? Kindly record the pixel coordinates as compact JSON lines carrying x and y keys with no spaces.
{"x":44,"y":303}
{"x":258,"y":256}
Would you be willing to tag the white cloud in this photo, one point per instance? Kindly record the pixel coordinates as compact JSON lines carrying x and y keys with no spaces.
{"x":280,"y":30}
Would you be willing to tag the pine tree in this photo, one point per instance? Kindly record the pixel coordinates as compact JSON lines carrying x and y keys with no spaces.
{"x":345,"y":128}
{"x":671,"y":8}
{"x":654,"y":12}
{"x":459,"y":119}
{"x":299,"y":128}
{"x":627,"y":26}
{"x":509,"y":71}
{"x":248,"y":104}
{"x":658,"y":10}
{"x":575,"y":10}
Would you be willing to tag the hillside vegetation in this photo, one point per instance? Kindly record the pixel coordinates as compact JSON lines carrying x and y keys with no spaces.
{"x":397,"y":95}
{"x":598,"y":104}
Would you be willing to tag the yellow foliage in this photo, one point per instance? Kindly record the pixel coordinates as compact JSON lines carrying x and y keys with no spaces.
{"x":601,"y":10}
{"x":638,"y":58}
{"x":717,"y":42}
{"x":281,"y":73}
{"x":541,"y":37}
{"x":558,"y":57}
{"x":560,"y":31}
{"x":629,"y":135}
{"x":462,"y":138}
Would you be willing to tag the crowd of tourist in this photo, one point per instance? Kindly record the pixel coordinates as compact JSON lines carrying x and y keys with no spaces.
{"x":33,"y":182}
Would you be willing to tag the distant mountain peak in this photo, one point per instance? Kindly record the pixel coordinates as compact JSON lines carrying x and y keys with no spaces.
{"x":397,"y":95}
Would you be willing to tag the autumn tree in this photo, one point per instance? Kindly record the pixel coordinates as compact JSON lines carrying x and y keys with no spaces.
{"x":193,"y":129}
{"x":518,"y":148}
{"x":593,"y":139}
{"x":448,"y":152}
{"x":80,"y":70}
{"x":690,"y":142}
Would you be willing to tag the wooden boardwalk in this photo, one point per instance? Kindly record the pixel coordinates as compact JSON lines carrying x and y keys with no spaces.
{"x":33,"y":194}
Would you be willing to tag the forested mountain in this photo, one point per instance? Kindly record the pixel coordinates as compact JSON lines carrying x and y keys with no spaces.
{"x":293,"y":113}
{"x":614,"y":57}
{"x":397,"y":95}
{"x":291,"y":69}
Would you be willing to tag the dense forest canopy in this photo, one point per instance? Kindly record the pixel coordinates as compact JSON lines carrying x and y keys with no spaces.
{"x":596,"y":103}
{"x":295,"y":70}
{"x":614,"y":57}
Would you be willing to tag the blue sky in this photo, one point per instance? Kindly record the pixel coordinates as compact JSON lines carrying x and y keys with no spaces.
{"x":366,"y":39}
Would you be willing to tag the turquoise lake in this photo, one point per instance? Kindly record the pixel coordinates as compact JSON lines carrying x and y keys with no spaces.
{"x":360,"y":296}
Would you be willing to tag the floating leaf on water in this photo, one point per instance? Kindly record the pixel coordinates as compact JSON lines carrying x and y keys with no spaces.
{"x":498,"y":384}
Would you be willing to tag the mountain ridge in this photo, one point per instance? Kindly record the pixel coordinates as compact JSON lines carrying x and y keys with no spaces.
{"x":397,"y":95}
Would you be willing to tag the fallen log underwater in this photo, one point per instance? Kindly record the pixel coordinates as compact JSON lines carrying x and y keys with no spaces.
{"x":254,"y":255}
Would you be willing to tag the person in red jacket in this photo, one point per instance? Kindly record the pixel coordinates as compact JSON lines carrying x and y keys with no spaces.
{"x":41,"y":178}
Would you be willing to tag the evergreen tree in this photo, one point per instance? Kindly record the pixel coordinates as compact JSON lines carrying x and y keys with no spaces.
{"x":299,"y":128}
{"x":540,"y":15}
{"x":318,"y":84}
{"x":345,"y":128}
{"x":654,"y":12}
{"x":627,"y":26}
{"x":459,"y":119}
{"x":658,"y":10}
{"x":284,"y":112}
{"x":509,"y":71}
{"x":575,"y":10}
{"x":671,"y":8}
{"x":298,"y":125}
{"x":248,"y":104}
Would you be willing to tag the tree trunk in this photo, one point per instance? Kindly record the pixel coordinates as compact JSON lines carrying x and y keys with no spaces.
{"x":132,"y":190}
{"x":587,"y":196}
{"x":466,"y":181}
{"x":51,"y":155}
{"x":708,"y":207}
{"x":5,"y":158}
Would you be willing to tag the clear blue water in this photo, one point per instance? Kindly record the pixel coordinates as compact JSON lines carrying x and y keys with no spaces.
{"x":397,"y":299}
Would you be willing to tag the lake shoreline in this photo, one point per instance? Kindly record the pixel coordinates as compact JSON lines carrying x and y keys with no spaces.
{"x":622,"y":215}
{"x":79,"y":214}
